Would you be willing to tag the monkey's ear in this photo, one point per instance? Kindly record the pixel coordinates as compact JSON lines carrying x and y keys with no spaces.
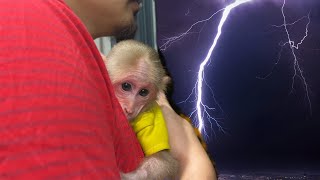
{"x":166,"y":80}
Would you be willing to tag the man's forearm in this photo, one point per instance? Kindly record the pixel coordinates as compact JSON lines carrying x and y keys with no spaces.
{"x":186,"y":148}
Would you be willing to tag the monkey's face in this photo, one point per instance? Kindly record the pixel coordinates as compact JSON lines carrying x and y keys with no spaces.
{"x":134,"y":93}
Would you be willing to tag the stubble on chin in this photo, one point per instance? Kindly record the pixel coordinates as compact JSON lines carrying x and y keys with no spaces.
{"x":126,"y":33}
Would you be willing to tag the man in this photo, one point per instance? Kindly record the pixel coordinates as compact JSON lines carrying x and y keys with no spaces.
{"x":107,"y":17}
{"x":59,"y":116}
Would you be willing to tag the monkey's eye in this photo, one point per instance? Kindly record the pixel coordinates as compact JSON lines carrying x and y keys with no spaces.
{"x":143,"y":92}
{"x":126,"y":86}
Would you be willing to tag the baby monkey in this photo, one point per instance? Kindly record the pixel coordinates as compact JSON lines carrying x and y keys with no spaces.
{"x":137,"y":76}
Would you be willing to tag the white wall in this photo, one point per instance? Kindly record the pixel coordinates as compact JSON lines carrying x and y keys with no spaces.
{"x":103,"y":44}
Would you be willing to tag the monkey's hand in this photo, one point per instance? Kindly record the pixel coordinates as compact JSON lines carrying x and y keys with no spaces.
{"x":158,"y":166}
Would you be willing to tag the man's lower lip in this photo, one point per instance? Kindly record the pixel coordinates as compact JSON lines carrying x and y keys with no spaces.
{"x":139,"y":2}
{"x":136,"y":9}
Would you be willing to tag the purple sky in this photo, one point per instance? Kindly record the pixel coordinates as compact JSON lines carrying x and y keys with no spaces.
{"x":267,"y":126}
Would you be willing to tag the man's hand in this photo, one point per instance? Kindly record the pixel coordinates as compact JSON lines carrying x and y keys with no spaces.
{"x":185,"y":146}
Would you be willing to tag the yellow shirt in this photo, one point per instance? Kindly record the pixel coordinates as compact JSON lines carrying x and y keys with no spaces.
{"x":151,"y":130}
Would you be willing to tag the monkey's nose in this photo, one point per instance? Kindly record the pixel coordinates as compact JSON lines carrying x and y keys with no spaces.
{"x":127,"y":110}
{"x":129,"y":114}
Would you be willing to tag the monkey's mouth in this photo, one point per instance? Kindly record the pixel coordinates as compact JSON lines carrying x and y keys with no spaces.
{"x":129,"y":118}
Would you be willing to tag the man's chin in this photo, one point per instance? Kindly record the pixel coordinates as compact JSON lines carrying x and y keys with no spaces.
{"x":127,"y":33}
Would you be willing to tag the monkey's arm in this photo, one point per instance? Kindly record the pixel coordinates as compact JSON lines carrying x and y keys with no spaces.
{"x":158,"y":166}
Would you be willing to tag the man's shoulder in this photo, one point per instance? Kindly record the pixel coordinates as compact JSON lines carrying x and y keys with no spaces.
{"x":38,"y":16}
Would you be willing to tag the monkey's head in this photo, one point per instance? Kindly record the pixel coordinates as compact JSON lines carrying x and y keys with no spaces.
{"x":136,"y":73}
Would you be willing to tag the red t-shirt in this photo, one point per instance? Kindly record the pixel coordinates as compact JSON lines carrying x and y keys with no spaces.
{"x":59,"y":118}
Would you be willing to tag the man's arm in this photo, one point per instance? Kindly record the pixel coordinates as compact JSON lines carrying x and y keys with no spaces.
{"x":185,"y":147}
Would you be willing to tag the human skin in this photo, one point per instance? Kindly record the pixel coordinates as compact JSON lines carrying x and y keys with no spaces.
{"x":107,"y":17}
{"x":185,"y":147}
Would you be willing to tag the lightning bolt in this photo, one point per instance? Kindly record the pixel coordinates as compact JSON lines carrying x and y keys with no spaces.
{"x":202,"y":110}
{"x":293,"y":46}
{"x":199,"y":83}
{"x":298,"y":72}
{"x":171,"y":40}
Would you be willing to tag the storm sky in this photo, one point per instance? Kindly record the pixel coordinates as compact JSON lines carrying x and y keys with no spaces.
{"x":268,"y":124}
